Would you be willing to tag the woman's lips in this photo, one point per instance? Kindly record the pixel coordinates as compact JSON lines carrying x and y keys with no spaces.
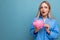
{"x":43,"y":12}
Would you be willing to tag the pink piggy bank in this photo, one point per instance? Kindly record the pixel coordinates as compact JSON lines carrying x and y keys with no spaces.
{"x":38,"y":24}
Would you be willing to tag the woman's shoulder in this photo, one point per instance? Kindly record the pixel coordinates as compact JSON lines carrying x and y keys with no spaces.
{"x":53,"y":20}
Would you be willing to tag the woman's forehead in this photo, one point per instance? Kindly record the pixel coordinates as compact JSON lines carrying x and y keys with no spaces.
{"x":44,"y":4}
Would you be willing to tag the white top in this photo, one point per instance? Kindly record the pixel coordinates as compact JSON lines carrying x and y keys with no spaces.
{"x":44,"y":20}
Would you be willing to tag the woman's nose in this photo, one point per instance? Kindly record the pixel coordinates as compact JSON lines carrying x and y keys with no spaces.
{"x":43,"y":9}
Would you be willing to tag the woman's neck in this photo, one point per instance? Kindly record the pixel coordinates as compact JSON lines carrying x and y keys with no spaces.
{"x":44,"y":17}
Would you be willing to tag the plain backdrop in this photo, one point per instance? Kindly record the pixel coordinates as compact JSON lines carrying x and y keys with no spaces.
{"x":16,"y":17}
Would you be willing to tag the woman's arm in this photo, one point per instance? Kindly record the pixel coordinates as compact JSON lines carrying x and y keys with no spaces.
{"x":54,"y":32}
{"x":33,"y":30}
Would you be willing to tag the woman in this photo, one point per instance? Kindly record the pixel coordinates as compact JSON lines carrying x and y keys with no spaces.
{"x":50,"y":29}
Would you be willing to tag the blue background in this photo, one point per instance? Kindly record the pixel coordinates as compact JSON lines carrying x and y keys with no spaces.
{"x":16,"y":17}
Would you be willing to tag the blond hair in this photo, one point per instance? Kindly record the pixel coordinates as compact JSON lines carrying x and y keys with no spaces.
{"x":39,"y":14}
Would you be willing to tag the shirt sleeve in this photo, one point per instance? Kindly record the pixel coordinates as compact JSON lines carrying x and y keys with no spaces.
{"x":54,"y":32}
{"x":32,"y":30}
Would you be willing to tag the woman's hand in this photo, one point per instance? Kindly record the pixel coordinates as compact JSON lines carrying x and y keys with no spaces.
{"x":47,"y":28}
{"x":36,"y":30}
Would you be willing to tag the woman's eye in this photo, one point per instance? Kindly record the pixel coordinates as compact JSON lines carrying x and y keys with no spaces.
{"x":41,"y":7}
{"x":45,"y":7}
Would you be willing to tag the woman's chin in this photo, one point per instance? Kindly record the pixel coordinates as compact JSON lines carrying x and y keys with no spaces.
{"x":44,"y":15}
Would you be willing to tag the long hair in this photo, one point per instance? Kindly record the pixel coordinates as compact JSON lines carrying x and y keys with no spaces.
{"x":39,"y":14}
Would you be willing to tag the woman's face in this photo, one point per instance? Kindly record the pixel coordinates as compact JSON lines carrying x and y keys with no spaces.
{"x":44,"y":9}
